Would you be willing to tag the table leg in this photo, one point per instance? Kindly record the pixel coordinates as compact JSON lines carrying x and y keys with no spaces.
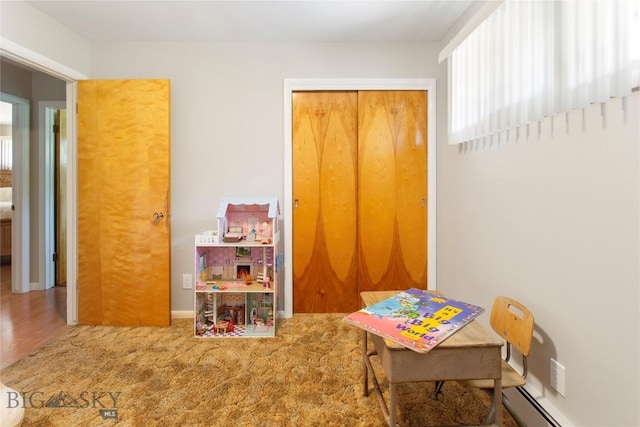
{"x":495,"y":414}
{"x":497,"y":401}
{"x":392,"y":404}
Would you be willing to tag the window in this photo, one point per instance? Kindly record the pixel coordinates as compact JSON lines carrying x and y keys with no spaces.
{"x":532,"y":59}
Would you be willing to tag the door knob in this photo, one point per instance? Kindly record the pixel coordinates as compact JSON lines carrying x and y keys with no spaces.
{"x":158,"y":216}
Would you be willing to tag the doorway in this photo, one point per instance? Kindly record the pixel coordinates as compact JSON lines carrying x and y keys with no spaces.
{"x":55,"y":173}
{"x":19,"y":206}
{"x":33,"y":199}
{"x":51,"y":192}
{"x":30,"y":60}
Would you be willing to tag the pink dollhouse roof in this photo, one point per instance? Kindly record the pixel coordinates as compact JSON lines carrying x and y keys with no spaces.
{"x":242,"y":204}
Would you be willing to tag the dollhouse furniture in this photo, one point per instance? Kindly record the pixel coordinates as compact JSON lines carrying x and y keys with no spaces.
{"x":237,"y":266}
{"x":221,"y":326}
{"x":470,"y":353}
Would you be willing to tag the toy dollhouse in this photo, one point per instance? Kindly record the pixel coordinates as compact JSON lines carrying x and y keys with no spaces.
{"x":237,"y":267}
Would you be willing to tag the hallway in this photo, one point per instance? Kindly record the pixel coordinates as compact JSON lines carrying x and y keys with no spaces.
{"x":30,"y":320}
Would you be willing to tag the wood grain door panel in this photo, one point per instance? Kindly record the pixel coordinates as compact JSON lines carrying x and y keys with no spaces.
{"x":123,"y":178}
{"x":392,"y":197}
{"x":359,"y":196}
{"x":324,"y":201}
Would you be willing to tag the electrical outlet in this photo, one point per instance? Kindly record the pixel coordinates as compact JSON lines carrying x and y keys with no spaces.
{"x":557,"y":376}
{"x":187,"y":281}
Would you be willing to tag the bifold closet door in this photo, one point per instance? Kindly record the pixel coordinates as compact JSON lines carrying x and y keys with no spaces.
{"x":325,"y":167}
{"x":359,"y":196}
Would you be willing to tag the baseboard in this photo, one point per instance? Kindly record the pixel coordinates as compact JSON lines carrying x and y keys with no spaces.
{"x":535,"y":409}
{"x":36,"y":286}
{"x":182,"y":314}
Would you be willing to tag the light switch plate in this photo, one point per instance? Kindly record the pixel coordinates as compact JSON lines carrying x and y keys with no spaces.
{"x":187,"y":281}
{"x":557,"y":377}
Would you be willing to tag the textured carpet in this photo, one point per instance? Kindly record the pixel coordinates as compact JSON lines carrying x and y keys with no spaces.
{"x":310,"y":374}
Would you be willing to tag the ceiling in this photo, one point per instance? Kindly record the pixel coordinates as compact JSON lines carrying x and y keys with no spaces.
{"x":250,"y":21}
{"x":255,"y":21}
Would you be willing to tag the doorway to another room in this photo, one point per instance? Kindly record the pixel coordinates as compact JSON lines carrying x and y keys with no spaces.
{"x":34,"y":310}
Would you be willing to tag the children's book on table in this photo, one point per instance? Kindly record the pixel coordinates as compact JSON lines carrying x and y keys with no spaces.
{"x":415,"y":318}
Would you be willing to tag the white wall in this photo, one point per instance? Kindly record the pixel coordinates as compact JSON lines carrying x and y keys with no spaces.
{"x":227,"y":115}
{"x":553,"y":220}
{"x":33,"y":32}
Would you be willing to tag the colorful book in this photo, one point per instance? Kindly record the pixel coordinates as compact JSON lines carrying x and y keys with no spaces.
{"x":416,"y":319}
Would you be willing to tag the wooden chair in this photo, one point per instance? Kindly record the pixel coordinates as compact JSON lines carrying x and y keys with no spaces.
{"x":514,"y":323}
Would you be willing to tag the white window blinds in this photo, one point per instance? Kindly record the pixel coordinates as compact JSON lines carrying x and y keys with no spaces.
{"x":532,"y":59}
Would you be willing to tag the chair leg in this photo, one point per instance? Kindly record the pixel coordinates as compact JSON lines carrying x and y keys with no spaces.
{"x":508,"y":406}
{"x":437,"y":390}
{"x":492,"y":413}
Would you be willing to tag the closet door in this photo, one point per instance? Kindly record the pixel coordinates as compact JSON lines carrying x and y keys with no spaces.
{"x":324,"y":202}
{"x":392,"y":190}
{"x":359,"y":196}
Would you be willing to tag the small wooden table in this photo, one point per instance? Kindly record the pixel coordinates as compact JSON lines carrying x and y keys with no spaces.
{"x":470,"y":353}
{"x":221,"y":326}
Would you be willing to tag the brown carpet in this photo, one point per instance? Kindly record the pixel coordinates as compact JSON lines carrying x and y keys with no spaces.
{"x":310,"y":374}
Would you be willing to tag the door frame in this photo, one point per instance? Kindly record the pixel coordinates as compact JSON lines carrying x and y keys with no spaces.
{"x":36,"y":61}
{"x":293,"y":85}
{"x":46,"y":194}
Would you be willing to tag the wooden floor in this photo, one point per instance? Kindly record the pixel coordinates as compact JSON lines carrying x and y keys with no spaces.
{"x":29,"y":320}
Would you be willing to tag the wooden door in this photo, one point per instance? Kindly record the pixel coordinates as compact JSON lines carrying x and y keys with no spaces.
{"x":123,"y":202}
{"x":359,"y":196}
{"x":325,"y":168}
{"x":60,"y":197}
{"x":392,"y":190}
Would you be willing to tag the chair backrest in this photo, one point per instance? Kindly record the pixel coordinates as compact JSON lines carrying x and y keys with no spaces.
{"x":513,"y":322}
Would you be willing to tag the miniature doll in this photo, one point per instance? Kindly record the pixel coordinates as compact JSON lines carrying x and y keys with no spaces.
{"x":265,"y":231}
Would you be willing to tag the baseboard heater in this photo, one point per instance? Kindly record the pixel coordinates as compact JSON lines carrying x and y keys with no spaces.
{"x":539,"y":408}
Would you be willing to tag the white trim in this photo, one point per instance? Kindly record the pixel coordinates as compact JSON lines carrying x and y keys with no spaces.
{"x":34,"y":60}
{"x":20,"y":194}
{"x":291,"y":85}
{"x":72,"y":205}
{"x":478,"y":18}
{"x":182,"y":314}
